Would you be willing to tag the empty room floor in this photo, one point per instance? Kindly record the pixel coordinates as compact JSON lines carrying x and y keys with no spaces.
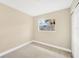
{"x":34,"y":51}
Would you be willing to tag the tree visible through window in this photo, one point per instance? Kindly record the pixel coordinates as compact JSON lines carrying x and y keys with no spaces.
{"x":46,"y":25}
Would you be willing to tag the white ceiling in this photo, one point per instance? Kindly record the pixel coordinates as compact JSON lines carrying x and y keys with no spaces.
{"x":37,"y":7}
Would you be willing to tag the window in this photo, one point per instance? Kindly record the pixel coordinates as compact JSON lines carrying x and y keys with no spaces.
{"x":46,"y":25}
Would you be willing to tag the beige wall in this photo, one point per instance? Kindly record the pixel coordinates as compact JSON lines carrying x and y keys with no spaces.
{"x":15,"y":28}
{"x":61,"y":37}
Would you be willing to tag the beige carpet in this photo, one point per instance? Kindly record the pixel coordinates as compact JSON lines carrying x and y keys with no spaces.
{"x":33,"y":51}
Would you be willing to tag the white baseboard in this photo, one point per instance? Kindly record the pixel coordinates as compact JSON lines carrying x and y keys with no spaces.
{"x":53,"y":46}
{"x":24,"y":44}
{"x":15,"y":48}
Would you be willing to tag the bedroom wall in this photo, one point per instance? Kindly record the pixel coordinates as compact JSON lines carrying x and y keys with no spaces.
{"x":61,"y":37}
{"x":15,"y":28}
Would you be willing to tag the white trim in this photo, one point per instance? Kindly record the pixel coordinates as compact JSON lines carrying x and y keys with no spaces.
{"x":15,"y":48}
{"x":53,"y":46}
{"x":22,"y":45}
